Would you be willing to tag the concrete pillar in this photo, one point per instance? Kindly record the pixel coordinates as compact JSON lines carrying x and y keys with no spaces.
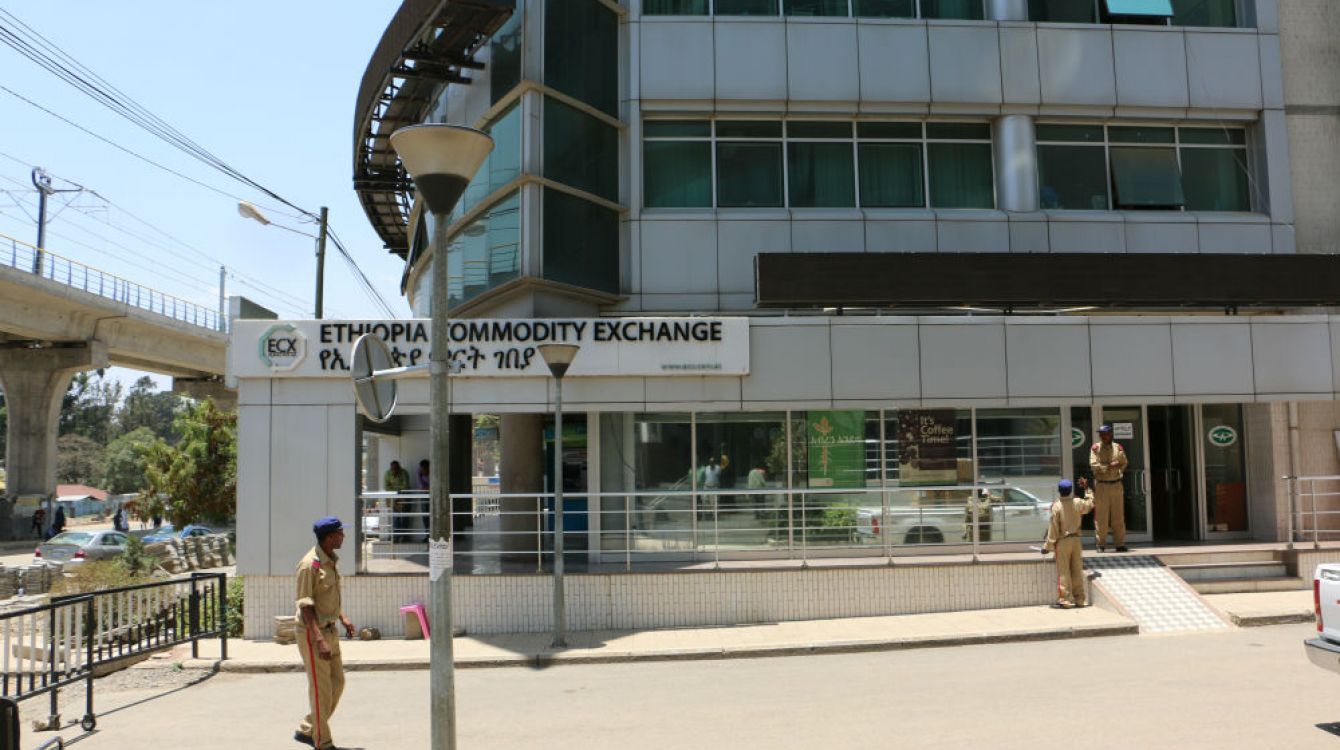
{"x":522,"y":470}
{"x":34,"y":382}
{"x":201,"y":388}
{"x":1006,"y":10}
{"x":461,"y":472}
{"x":1016,"y":156}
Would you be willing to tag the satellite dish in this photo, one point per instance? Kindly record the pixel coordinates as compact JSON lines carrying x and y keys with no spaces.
{"x":376,"y":396}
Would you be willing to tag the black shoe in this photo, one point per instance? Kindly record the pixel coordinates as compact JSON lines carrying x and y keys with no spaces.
{"x":305,"y":739}
{"x":1122,"y":549}
{"x":1101,"y":548}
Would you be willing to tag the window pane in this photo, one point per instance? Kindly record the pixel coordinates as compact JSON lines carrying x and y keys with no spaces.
{"x":739,"y":452}
{"x":977,"y":131}
{"x":1019,"y":445}
{"x":1072,"y":177}
{"x":749,"y":129}
{"x":656,"y":454}
{"x":746,"y":7}
{"x":1215,"y":136}
{"x":1120,"y":134}
{"x":505,"y":58}
{"x":674,"y":7}
{"x":1146,"y":178}
{"x":1225,"y":467}
{"x":580,"y":150}
{"x":676,"y":128}
{"x":1060,"y":11}
{"x":818,"y":129}
{"x":891,"y":175}
{"x":677,"y":174}
{"x":816,"y":7}
{"x":960,"y":175}
{"x":1073,"y":133}
{"x":485,"y":254}
{"x":581,"y":242}
{"x":888,"y":130}
{"x":947,"y":9}
{"x":1204,"y":13}
{"x":1139,"y":8}
{"x":581,"y":51}
{"x":883,"y":8}
{"x":501,"y":166}
{"x":821,"y":175}
{"x":749,"y":174}
{"x":1216,"y":179}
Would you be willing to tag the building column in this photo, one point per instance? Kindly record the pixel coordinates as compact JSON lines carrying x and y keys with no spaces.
{"x":521,"y":470}
{"x":34,"y":381}
{"x":460,"y":471}
{"x":1016,"y":157}
{"x":201,"y":388}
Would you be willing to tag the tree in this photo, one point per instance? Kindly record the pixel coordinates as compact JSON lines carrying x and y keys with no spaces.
{"x":195,"y":480}
{"x":123,"y":468}
{"x":144,"y":407}
{"x":78,"y":460}
{"x":88,"y":406}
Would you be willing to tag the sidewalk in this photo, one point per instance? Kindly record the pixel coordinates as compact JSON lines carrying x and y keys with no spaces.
{"x":740,"y":641}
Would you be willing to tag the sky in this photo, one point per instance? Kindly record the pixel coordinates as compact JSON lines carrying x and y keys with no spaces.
{"x":267,"y":87}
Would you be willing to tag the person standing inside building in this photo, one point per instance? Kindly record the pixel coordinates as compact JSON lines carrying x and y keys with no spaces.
{"x":1108,"y":461}
{"x":1063,"y":536}
{"x":318,"y":604}
{"x":397,"y":480}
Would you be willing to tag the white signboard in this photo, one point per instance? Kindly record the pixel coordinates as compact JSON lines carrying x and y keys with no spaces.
{"x":1123,"y":430}
{"x":610,"y":347}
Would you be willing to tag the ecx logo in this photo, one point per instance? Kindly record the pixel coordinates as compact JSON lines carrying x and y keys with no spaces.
{"x":1223,"y":436}
{"x":283,"y":348}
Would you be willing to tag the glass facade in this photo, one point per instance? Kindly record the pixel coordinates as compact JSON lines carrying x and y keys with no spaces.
{"x":486,"y":253}
{"x":817,"y":164}
{"x":580,"y":151}
{"x":931,"y":9}
{"x":581,"y":242}
{"x":1225,"y":468}
{"x":1215,"y":13}
{"x":505,"y":56}
{"x":502,"y":165}
{"x":581,"y":52}
{"x":1097,"y":167}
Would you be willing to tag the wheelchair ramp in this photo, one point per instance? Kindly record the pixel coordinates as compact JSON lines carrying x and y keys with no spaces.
{"x":1154,"y":595}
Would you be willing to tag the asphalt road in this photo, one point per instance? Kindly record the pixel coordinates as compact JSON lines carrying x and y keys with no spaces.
{"x":1250,"y":688}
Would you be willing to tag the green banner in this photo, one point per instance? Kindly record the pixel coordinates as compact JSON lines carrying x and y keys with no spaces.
{"x":837,"y":448}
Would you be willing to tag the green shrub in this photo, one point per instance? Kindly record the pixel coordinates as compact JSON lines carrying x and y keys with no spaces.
{"x":135,"y":560}
{"x":233,"y":613}
{"x":95,"y":576}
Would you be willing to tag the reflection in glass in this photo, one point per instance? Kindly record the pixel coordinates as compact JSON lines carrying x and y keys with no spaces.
{"x":486,"y":253}
{"x":1225,"y":468}
{"x":1216,"y":179}
{"x":1073,"y":177}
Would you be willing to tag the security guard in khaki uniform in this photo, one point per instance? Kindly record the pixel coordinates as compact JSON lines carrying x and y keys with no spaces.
{"x":1108,"y":462}
{"x":318,"y":606}
{"x":1063,"y":536}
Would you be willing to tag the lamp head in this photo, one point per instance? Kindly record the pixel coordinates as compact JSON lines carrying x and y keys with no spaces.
{"x":442,"y":159}
{"x":558,"y":356}
{"x":248,"y":211}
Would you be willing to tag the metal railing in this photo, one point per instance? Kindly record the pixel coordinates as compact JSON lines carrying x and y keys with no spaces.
{"x":1305,"y":517}
{"x":74,"y":274}
{"x":735,"y":524}
{"x":53,"y":645}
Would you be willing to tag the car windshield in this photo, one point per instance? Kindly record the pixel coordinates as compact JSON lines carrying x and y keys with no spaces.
{"x":163,"y":531}
{"x":77,"y":538}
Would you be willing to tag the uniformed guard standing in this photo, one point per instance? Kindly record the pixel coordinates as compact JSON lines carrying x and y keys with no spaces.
{"x":1108,"y":462}
{"x":1063,"y":536}
{"x":318,"y":606}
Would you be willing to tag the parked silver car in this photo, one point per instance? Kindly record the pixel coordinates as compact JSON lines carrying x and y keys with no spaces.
{"x":77,"y":546}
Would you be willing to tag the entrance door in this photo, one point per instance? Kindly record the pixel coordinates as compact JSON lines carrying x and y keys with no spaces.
{"x":1128,"y":427}
{"x":1224,"y":458}
{"x":1172,"y":476}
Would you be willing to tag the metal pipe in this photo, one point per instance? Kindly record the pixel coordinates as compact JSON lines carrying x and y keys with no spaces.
{"x":321,"y":263}
{"x":442,"y":695}
{"x":1294,"y":453}
{"x":560,"y":619}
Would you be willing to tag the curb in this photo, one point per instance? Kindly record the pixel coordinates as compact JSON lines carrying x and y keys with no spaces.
{"x":550,"y":659}
{"x":1262,"y":619}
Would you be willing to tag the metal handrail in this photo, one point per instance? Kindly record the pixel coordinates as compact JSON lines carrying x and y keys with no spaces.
{"x":745,"y":523}
{"x":72,"y":273}
{"x":1300,"y":490}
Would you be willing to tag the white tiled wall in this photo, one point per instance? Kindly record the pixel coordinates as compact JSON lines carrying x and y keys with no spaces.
{"x":508,"y":604}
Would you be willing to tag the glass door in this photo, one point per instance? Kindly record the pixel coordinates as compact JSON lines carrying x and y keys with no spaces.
{"x":1225,"y":477}
{"x":1128,"y":430}
{"x":1173,"y":489}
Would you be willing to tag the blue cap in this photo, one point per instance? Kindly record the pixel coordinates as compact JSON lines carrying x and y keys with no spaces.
{"x":1105,"y":428}
{"x":1065,"y":487}
{"x":327,"y":525}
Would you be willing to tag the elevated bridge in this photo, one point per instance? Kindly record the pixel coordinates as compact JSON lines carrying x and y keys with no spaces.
{"x":59,"y":317}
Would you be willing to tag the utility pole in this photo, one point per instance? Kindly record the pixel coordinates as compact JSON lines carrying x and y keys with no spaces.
{"x":43,"y":184}
{"x":223,"y":299}
{"x":321,"y":263}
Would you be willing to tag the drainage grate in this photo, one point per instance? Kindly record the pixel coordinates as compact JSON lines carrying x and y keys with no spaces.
{"x":1158,"y":600}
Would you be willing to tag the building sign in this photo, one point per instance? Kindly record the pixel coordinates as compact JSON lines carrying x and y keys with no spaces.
{"x":837,"y":448}
{"x":611,"y":347}
{"x":927,"y":447}
{"x":1123,"y":430}
{"x":1222,"y":436}
{"x":1076,"y":438}
{"x":282,"y":348}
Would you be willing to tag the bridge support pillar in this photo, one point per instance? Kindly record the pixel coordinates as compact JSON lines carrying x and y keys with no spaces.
{"x":201,"y":388}
{"x":34,"y":381}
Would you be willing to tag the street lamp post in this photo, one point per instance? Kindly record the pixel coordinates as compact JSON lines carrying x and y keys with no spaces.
{"x":247,"y":210}
{"x":441,"y":159}
{"x":559,"y":357}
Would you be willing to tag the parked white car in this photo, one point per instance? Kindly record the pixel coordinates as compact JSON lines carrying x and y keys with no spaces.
{"x":1013,"y":515}
{"x":1324,"y":650}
